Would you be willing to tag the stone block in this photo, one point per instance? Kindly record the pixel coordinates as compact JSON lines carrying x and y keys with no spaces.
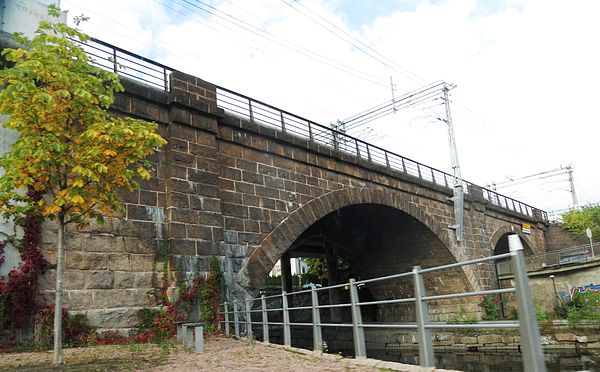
{"x":198,"y":232}
{"x":140,"y":245}
{"x":489,"y":339}
{"x":148,"y":198}
{"x":235,"y":210}
{"x":206,"y":248}
{"x":113,"y":317}
{"x":124,"y":279}
{"x":107,"y":298}
{"x":119,"y":262}
{"x":102,"y":243}
{"x":561,"y":337}
{"x":144,"y":279}
{"x":182,"y":247}
{"x":78,"y":299}
{"x":86,"y":260}
{"x":99,"y":280}
{"x":468,"y":340}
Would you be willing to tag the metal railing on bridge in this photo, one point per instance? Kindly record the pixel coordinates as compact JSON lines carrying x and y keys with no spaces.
{"x":533,"y":358}
{"x":572,"y":255}
{"x":157,"y":75}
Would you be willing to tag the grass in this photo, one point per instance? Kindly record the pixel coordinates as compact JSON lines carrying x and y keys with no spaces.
{"x":131,"y":357}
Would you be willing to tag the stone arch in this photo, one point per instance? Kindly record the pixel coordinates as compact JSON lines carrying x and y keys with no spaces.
{"x":275,"y":244}
{"x":511,"y":229}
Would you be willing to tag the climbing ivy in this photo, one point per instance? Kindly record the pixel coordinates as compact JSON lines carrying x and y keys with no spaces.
{"x":161,"y":254}
{"x":18,"y":290}
{"x":210,"y":296}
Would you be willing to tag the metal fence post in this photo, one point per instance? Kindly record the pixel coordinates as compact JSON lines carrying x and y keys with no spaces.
{"x":115,"y":63}
{"x":248,"y":320}
{"x":426,"y":358}
{"x":165,"y":79}
{"x":533,"y":356}
{"x":236,"y":320}
{"x":316,"y":318}
{"x":287,"y":337}
{"x":226,"y":306}
{"x":265,"y":319}
{"x":360,"y":349}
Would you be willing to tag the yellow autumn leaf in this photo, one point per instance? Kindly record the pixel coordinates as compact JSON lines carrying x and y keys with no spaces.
{"x":77,"y":182}
{"x":77,"y":199}
{"x":51,"y":209}
{"x":109,"y":152}
{"x":143,"y":173}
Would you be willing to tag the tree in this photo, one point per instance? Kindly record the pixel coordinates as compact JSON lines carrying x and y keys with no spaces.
{"x":68,"y":148}
{"x":577,"y":221}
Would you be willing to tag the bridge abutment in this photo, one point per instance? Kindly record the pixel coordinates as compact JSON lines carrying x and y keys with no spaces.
{"x":244,"y":192}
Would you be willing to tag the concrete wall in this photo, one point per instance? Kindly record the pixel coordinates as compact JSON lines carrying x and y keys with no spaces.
{"x":11,"y":254}
{"x":24,"y":15}
{"x":565,"y":278}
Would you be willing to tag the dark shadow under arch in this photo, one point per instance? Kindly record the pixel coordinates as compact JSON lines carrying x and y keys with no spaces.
{"x":499,"y":241}
{"x":277,"y":242}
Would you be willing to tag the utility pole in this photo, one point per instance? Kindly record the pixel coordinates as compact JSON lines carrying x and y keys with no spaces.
{"x":560,"y":171}
{"x":457,"y":184}
{"x":573,"y":195}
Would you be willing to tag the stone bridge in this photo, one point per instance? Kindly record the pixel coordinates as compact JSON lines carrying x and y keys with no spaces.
{"x":251,"y":184}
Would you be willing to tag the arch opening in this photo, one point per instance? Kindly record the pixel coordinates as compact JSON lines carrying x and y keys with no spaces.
{"x":370,"y":240}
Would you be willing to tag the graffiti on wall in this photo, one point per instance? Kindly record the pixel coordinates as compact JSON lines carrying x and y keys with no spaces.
{"x":587,"y":293}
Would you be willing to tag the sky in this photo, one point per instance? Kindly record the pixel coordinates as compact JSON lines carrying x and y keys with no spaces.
{"x":526,"y":74}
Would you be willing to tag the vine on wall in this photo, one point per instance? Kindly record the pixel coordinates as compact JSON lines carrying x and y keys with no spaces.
{"x":18,"y":290}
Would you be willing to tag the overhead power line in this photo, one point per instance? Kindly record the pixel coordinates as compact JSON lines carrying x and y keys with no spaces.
{"x":207,"y":10}
{"x":355,"y":42}
{"x":422,"y":95}
{"x":560,"y":171}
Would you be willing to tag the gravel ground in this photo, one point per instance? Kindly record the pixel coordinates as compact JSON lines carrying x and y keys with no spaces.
{"x":220,"y":355}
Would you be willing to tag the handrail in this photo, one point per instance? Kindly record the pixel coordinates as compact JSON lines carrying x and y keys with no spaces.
{"x":530,"y":337}
{"x":155,"y":74}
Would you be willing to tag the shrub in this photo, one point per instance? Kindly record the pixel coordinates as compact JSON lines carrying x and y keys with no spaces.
{"x":76,"y":329}
{"x":491,"y":307}
{"x":156,"y":325}
{"x":461,"y":317}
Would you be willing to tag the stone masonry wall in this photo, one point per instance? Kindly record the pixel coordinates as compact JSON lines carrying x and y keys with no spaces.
{"x":227,"y":187}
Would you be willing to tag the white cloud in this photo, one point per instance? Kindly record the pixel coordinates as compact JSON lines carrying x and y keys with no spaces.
{"x":528,"y":68}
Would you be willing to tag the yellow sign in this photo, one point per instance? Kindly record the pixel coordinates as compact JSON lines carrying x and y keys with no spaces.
{"x":526,"y":228}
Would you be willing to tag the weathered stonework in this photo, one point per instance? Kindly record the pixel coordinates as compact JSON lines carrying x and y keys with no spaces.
{"x":227,"y":187}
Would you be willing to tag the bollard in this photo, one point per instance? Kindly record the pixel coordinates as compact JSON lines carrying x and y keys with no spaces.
{"x":180,"y":331}
{"x":199,"y":333}
{"x":188,"y":337}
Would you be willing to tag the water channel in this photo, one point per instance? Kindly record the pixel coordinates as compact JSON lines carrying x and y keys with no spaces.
{"x":556,"y":361}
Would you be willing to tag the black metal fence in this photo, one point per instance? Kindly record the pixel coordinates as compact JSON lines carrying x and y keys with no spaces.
{"x":157,"y":75}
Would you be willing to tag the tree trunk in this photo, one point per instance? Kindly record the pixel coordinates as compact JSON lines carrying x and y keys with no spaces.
{"x":60,"y":264}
